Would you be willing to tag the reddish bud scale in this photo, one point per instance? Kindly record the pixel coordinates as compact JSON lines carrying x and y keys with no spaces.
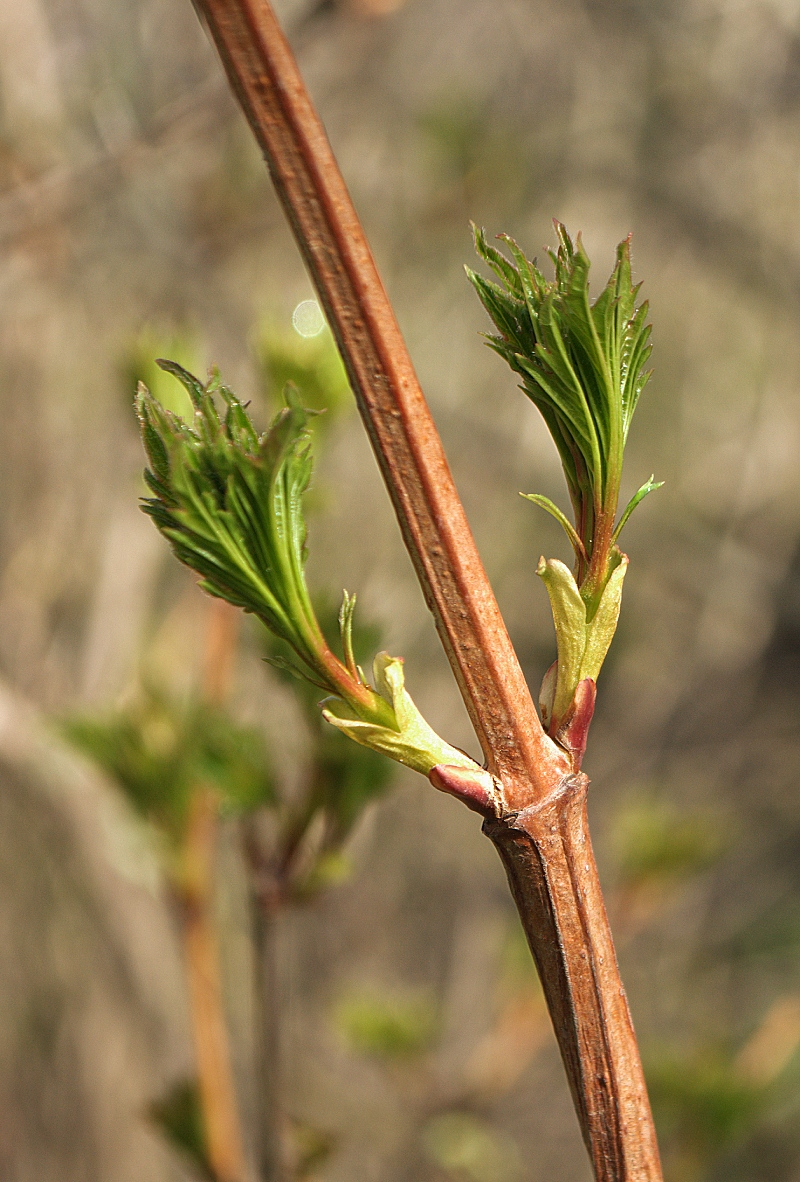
{"x":474,"y":789}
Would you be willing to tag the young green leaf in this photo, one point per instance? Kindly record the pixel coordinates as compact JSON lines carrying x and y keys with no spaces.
{"x":554,"y":511}
{"x":648,"y":487}
{"x":411,"y":741}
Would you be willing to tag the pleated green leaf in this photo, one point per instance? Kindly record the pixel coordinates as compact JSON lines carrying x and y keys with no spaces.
{"x":230,"y":504}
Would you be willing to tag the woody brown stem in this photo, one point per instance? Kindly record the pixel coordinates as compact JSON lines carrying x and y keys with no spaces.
{"x":530,"y":769}
{"x":552,"y":874}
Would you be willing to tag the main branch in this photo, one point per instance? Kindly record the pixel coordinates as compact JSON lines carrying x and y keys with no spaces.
{"x":540,"y":831}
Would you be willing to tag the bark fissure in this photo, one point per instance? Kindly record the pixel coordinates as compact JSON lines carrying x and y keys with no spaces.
{"x":605,"y":1076}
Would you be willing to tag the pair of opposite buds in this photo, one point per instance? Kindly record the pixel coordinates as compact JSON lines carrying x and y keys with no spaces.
{"x":229,"y":501}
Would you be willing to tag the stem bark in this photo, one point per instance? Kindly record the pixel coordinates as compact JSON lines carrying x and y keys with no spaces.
{"x":551,"y":870}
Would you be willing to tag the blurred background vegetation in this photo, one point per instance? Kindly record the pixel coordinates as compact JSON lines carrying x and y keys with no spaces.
{"x":136,"y":219}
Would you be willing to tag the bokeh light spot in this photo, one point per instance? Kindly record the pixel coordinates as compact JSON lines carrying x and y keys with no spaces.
{"x":307,"y":319}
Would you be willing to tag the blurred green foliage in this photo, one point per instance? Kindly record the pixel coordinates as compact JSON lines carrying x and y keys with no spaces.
{"x":385,"y":1025}
{"x":311,"y":1149}
{"x":179,"y":1117}
{"x":773,"y":933}
{"x":139,"y":363}
{"x":159,"y":749}
{"x":470,"y":1150}
{"x":654,"y":841}
{"x":702,"y":1104}
{"x":473,"y":151}
{"x":311,"y":363}
{"x":457,"y":129}
{"x":517,"y":968}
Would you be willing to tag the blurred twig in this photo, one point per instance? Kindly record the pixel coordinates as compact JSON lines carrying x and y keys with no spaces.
{"x":221,"y":1121}
{"x":68,"y":188}
{"x":215,"y":1078}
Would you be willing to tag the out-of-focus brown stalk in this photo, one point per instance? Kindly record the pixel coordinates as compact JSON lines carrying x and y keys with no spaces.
{"x":221,"y":638}
{"x":540,"y":829}
{"x":222,"y":633}
{"x":220,"y":1112}
{"x":266,"y":912}
{"x":212,"y":1046}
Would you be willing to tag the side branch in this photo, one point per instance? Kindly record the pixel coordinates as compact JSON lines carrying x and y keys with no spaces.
{"x":264,"y":75}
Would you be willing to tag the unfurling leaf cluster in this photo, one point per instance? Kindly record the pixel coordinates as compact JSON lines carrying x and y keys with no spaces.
{"x":230,"y":503}
{"x":583,"y":365}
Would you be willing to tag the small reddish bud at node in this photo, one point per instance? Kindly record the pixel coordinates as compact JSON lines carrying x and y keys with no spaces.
{"x":574,"y":731}
{"x":475,"y":788}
